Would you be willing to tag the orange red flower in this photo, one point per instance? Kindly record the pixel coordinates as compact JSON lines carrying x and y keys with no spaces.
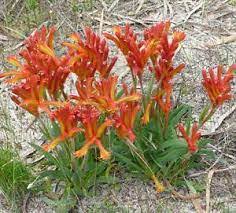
{"x":124,"y":120}
{"x":191,"y":139}
{"x":105,"y":98}
{"x":136,"y":53}
{"x":217,"y":84}
{"x":67,"y":119}
{"x":164,"y":71}
{"x":93,"y":131}
{"x":158,"y":33}
{"x":163,"y":99}
{"x":30,"y":95}
{"x":89,"y":55}
{"x":39,"y":59}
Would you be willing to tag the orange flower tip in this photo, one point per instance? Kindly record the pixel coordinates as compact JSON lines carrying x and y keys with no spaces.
{"x":116,"y":29}
{"x":13,"y":60}
{"x":181,"y":127}
{"x":75,"y":37}
{"x":2,"y":75}
{"x":132,"y":137}
{"x":145,"y":120}
{"x":179,"y":36}
{"x":46,"y":147}
{"x":81,"y":152}
{"x":105,"y":155}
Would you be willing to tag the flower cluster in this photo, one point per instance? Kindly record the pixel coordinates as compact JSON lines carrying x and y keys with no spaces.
{"x":38,"y":86}
{"x":217,"y":85}
{"x":39,"y":77}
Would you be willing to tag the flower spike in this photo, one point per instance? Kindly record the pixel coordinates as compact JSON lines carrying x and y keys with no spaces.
{"x":90,"y":55}
{"x":124,"y":120}
{"x":67,"y":119}
{"x":136,"y":53}
{"x":193,"y":138}
{"x":30,"y":95}
{"x":217,"y":85}
{"x":93,"y":131}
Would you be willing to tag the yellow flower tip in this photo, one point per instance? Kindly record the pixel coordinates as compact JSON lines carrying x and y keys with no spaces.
{"x":104,"y":154}
{"x":145,"y":120}
{"x":82,"y":152}
{"x":146,"y":116}
{"x":159,"y":187}
{"x":14,"y":61}
{"x":46,"y":50}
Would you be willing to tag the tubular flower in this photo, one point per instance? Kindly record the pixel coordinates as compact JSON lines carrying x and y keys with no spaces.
{"x":157,"y":33}
{"x":136,"y":53}
{"x":67,"y":120}
{"x":39,"y":59}
{"x":85,"y":90}
{"x":30,"y":95}
{"x":163,"y":99}
{"x":15,"y":76}
{"x":164,"y":71}
{"x":89,"y":55}
{"x":217,"y":85}
{"x":42,"y":36}
{"x":93,"y":131}
{"x":193,"y":138}
{"x":169,"y":48}
{"x":146,"y":116}
{"x":82,"y":67}
{"x":105,"y":98}
{"x":124,"y":120}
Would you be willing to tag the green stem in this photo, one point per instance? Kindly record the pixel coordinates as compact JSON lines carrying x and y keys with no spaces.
{"x":45,"y":129}
{"x":134,"y":81}
{"x":73,"y":158}
{"x":151,"y":174}
{"x":143,"y":93}
{"x":212,"y":111}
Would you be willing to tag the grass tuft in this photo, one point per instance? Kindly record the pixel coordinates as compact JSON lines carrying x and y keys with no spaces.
{"x":14,"y":177}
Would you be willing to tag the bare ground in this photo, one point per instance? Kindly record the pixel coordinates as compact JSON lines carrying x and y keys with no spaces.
{"x":211,"y":30}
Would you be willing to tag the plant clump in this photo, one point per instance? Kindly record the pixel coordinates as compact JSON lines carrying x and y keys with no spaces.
{"x":136,"y":125}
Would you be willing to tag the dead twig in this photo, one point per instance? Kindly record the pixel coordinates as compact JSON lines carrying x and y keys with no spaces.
{"x":208,"y":186}
{"x":141,"y":2}
{"x":25,"y":203}
{"x":131,"y":19}
{"x":233,"y":167}
{"x":114,"y":3}
{"x":101,"y":23}
{"x":103,"y":4}
{"x":167,"y":7}
{"x":182,"y":197}
{"x":224,"y":40}
{"x":227,"y":155}
{"x":195,"y":9}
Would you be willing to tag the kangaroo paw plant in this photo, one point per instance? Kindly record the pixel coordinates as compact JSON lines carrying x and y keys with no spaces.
{"x":102,"y":121}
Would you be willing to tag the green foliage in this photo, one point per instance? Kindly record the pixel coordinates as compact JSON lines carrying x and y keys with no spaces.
{"x":14,"y":176}
{"x":166,"y":154}
{"x":232,"y":2}
{"x":77,"y":176}
{"x":81,"y":6}
{"x":31,"y":4}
